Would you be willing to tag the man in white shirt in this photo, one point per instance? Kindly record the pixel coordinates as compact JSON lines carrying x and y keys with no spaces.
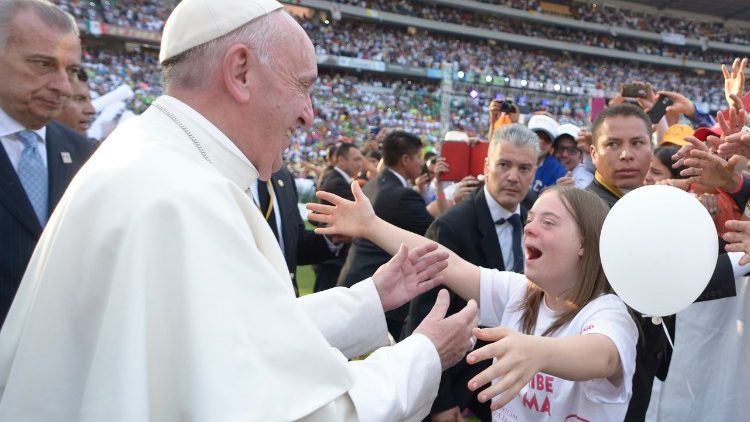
{"x":178,"y":305}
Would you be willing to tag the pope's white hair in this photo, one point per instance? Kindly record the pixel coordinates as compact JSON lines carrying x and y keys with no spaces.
{"x":194,"y":68}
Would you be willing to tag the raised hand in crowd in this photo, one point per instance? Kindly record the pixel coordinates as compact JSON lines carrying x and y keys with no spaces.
{"x":584,"y":140}
{"x":738,"y":239}
{"x":566,"y":180}
{"x":465,"y":187}
{"x":422,"y":182}
{"x":734,"y":82}
{"x":438,"y":166}
{"x":681,"y":106}
{"x":734,"y":123}
{"x":736,"y":144}
{"x":711,"y":202}
{"x":409,"y":274}
{"x":707,"y":168}
{"x":650,"y":100}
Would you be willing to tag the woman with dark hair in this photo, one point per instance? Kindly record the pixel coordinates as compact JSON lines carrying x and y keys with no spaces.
{"x":661,"y":166}
{"x":562,"y":344}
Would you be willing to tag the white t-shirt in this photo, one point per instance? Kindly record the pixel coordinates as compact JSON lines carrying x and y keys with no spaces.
{"x":549,"y":398}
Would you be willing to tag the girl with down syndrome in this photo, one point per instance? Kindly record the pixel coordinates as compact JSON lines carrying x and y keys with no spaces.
{"x":563,"y":345}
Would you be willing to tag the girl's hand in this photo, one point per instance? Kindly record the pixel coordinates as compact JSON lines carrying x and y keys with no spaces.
{"x":518,"y":358}
{"x":344,"y":217}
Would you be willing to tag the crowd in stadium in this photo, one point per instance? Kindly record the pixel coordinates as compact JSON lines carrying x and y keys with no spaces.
{"x":158,"y":206}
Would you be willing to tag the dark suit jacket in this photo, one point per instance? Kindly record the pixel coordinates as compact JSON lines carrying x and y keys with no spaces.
{"x":301,"y":246}
{"x":468,"y":230}
{"x":327,"y":273}
{"x":653,"y":352}
{"x":400,"y":206}
{"x":19,"y":227}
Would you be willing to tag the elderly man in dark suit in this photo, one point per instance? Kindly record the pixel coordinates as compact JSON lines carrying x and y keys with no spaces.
{"x":349,"y":163}
{"x":485,"y":230}
{"x":41,"y":52}
{"x":396,"y":202}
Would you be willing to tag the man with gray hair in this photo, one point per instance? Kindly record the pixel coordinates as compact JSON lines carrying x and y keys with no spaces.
{"x":179,"y":306}
{"x":39,"y":55}
{"x":485,"y":230}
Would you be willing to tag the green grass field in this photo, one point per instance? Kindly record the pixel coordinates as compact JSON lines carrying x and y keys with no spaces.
{"x":305,"y":279}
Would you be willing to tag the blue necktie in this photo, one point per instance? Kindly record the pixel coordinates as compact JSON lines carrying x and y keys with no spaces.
{"x":515,"y":221}
{"x":33,"y":174}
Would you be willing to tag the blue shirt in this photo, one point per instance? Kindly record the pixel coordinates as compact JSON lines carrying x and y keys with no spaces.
{"x":547,"y":173}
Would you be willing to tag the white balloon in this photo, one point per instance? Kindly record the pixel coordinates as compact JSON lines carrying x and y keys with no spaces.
{"x":658,"y":249}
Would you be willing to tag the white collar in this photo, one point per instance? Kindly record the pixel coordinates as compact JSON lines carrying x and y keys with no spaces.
{"x":400,"y":177}
{"x":223,"y":153}
{"x":344,"y":174}
{"x":9,"y":126}
{"x":497,"y":211}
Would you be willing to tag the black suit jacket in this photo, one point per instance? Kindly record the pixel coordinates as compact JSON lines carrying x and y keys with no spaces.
{"x":468,"y":230}
{"x":19,"y":227}
{"x":327,"y":273}
{"x":301,"y":246}
{"x":400,"y":206}
{"x":653,"y":352}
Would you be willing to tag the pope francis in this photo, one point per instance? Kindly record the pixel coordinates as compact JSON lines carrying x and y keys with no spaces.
{"x":158,"y":292}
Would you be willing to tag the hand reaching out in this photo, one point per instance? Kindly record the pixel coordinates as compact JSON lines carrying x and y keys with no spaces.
{"x":736,"y":144}
{"x":738,"y":239}
{"x":711,"y":170}
{"x":465,"y":187}
{"x":344,"y":217}
{"x":452,"y":335}
{"x":517,"y":360}
{"x":734,"y":82}
{"x":409,"y":274}
{"x":566,"y":180}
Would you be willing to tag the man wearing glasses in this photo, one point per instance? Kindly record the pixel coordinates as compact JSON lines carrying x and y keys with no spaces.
{"x":566,"y":151}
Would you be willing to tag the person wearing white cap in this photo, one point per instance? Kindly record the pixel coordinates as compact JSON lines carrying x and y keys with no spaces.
{"x":158,"y":291}
{"x":548,"y":168}
{"x":567,"y":152}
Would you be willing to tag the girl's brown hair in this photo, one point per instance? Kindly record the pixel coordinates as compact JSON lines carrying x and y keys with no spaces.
{"x":589,"y":212}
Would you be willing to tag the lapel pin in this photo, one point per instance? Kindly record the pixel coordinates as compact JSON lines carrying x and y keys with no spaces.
{"x":65,"y":155}
{"x":281,"y":183}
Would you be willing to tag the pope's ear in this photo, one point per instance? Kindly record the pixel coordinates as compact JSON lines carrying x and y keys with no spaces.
{"x":236,"y":72}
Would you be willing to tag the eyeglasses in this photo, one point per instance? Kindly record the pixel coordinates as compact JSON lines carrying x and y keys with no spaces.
{"x":569,"y":150}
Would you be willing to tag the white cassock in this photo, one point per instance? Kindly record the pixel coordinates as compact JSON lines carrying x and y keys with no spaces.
{"x":709,"y":375}
{"x":158,"y":292}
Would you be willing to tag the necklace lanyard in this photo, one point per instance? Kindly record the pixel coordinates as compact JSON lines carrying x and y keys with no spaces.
{"x":271,"y":200}
{"x":269,"y":184}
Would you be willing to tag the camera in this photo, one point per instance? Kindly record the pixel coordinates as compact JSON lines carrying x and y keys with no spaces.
{"x":506,"y":107}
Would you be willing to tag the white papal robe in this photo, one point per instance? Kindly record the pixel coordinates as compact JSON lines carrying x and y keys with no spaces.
{"x":158,"y":292}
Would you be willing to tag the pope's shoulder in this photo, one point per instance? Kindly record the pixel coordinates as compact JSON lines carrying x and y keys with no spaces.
{"x":141,"y":165}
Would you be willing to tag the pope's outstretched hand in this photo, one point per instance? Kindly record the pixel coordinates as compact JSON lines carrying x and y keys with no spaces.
{"x":451,"y":336}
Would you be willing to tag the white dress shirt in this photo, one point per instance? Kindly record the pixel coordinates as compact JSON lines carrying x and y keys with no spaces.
{"x":12,"y":143}
{"x":400,"y":177}
{"x":505,"y":230}
{"x":344,"y":175}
